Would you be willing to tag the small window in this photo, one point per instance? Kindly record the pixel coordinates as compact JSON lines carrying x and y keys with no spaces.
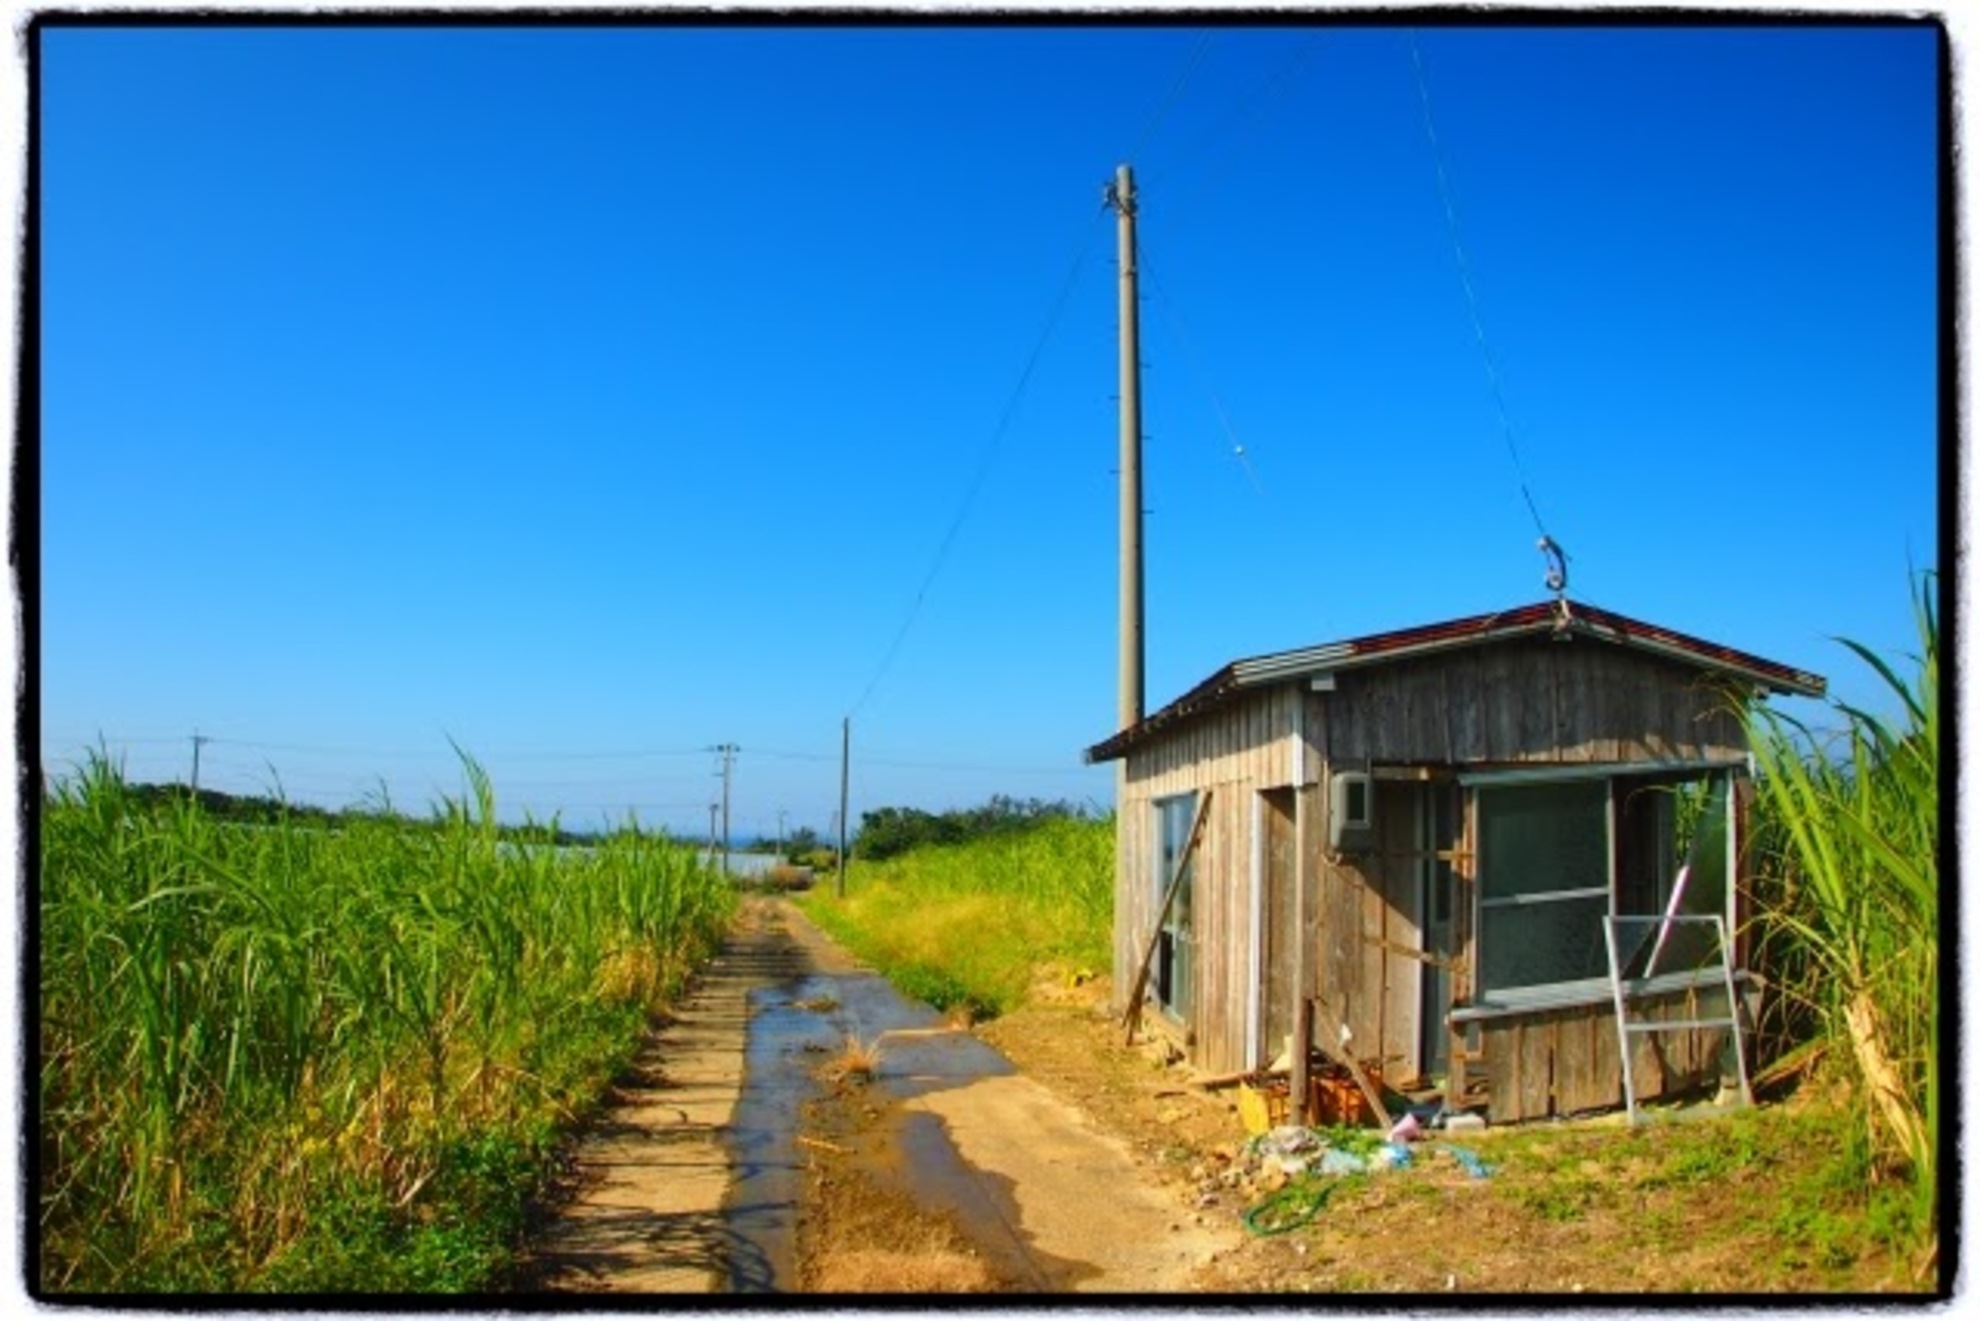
{"x":1354,"y":808}
{"x":1171,"y":973}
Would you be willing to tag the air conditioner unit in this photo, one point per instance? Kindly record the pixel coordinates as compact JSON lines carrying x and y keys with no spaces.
{"x":1351,"y":820}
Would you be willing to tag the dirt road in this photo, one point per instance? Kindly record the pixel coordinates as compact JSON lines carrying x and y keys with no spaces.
{"x":644,"y":1212}
{"x":728,"y":1165}
{"x":731,"y":1164}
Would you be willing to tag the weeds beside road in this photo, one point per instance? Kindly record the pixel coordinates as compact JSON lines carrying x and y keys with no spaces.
{"x":281,"y":1058}
{"x":968,"y":927}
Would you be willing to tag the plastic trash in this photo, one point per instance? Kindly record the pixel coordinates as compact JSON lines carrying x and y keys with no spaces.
{"x":1406,"y":1129}
{"x":1335,"y":1161}
{"x":1473,"y":1166}
{"x":1294,"y":1138}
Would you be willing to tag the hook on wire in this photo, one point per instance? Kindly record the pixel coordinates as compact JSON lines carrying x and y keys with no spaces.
{"x":1556,"y":558}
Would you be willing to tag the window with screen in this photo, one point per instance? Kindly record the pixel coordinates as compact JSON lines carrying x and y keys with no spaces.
{"x":1555,"y":858}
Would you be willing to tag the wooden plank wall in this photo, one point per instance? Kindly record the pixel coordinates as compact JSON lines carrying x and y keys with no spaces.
{"x":1563,"y":1061}
{"x":1530,"y":700}
{"x":1235,"y":754}
{"x":1397,"y":921}
{"x":1281,"y":919}
{"x":1368,"y":905}
{"x":1249,"y":742}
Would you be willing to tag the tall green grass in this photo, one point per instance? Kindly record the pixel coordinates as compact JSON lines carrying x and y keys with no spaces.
{"x":1848,"y":839}
{"x":283,"y":1057}
{"x":974,"y":925}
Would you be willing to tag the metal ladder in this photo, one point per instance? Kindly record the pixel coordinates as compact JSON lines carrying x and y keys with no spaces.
{"x":1624,"y":1027}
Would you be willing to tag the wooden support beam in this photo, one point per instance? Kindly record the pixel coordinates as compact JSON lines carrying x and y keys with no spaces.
{"x":1452,"y":962}
{"x":1336,"y":1049}
{"x":1300,"y":1086}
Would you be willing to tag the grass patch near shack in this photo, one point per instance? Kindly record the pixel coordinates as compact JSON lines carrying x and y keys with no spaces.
{"x":1766,"y":1200}
{"x":971,"y":927}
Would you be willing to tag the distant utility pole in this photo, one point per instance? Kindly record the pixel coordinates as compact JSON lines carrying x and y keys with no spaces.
{"x":197,"y":739}
{"x":728,"y":751}
{"x":781,"y":814}
{"x":845,"y":767}
{"x":713,"y":808}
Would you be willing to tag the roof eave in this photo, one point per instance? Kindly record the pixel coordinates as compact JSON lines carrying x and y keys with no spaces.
{"x":1526,"y":621}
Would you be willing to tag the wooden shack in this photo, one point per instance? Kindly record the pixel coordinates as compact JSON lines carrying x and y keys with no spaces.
{"x":1432,"y":837}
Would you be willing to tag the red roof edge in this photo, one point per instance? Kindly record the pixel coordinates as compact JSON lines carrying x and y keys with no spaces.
{"x":1558,"y":616}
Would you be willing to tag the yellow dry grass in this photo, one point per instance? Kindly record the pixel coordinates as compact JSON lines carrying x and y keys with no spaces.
{"x":875,"y":1270}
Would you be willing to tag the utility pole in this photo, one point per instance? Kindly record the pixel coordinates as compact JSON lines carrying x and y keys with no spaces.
{"x":197,"y":739}
{"x":780,"y":833}
{"x":1121,"y":197}
{"x":845,"y":769}
{"x":713,"y":808}
{"x":728,"y":751}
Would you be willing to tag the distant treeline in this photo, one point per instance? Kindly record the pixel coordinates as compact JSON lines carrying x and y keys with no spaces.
{"x":891,"y":831}
{"x":885,"y":833}
{"x":260,"y":810}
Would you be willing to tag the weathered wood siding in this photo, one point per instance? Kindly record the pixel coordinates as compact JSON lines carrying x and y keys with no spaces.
{"x":1562,"y":1061}
{"x":1370,"y":914}
{"x":1249,"y":742}
{"x":1235,"y":754}
{"x":1529,"y":700}
{"x":1280,"y":920}
{"x":1525,"y":701}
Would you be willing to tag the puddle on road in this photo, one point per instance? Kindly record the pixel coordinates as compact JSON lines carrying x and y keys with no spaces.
{"x":794,"y":1028}
{"x":782,"y":1049}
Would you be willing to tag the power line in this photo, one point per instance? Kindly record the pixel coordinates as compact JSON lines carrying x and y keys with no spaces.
{"x":899,"y":764}
{"x":1174,"y":314}
{"x":326,"y":750}
{"x":910,"y":761}
{"x":1470,"y":293}
{"x":1276,"y":85}
{"x":630,"y":754}
{"x":983,"y":467}
{"x":895,"y":759}
{"x":1195,"y":57}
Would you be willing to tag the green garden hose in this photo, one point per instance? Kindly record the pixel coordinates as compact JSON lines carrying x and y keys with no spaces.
{"x":1294,"y":1205}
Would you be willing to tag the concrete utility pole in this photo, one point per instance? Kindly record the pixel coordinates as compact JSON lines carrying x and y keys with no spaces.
{"x":1121,"y":197}
{"x":728,"y":751}
{"x":713,"y":808}
{"x":845,"y":774}
{"x":197,"y":738}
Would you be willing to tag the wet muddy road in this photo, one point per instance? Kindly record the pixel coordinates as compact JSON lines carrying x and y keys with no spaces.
{"x":1046,"y":1201}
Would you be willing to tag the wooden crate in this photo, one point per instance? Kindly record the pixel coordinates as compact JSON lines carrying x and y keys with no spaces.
{"x":1336,"y":1099}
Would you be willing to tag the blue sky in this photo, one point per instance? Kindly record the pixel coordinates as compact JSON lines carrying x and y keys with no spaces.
{"x":593,"y":397}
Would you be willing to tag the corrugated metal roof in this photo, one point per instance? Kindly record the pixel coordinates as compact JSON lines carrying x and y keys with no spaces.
{"x":1543,"y":618}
